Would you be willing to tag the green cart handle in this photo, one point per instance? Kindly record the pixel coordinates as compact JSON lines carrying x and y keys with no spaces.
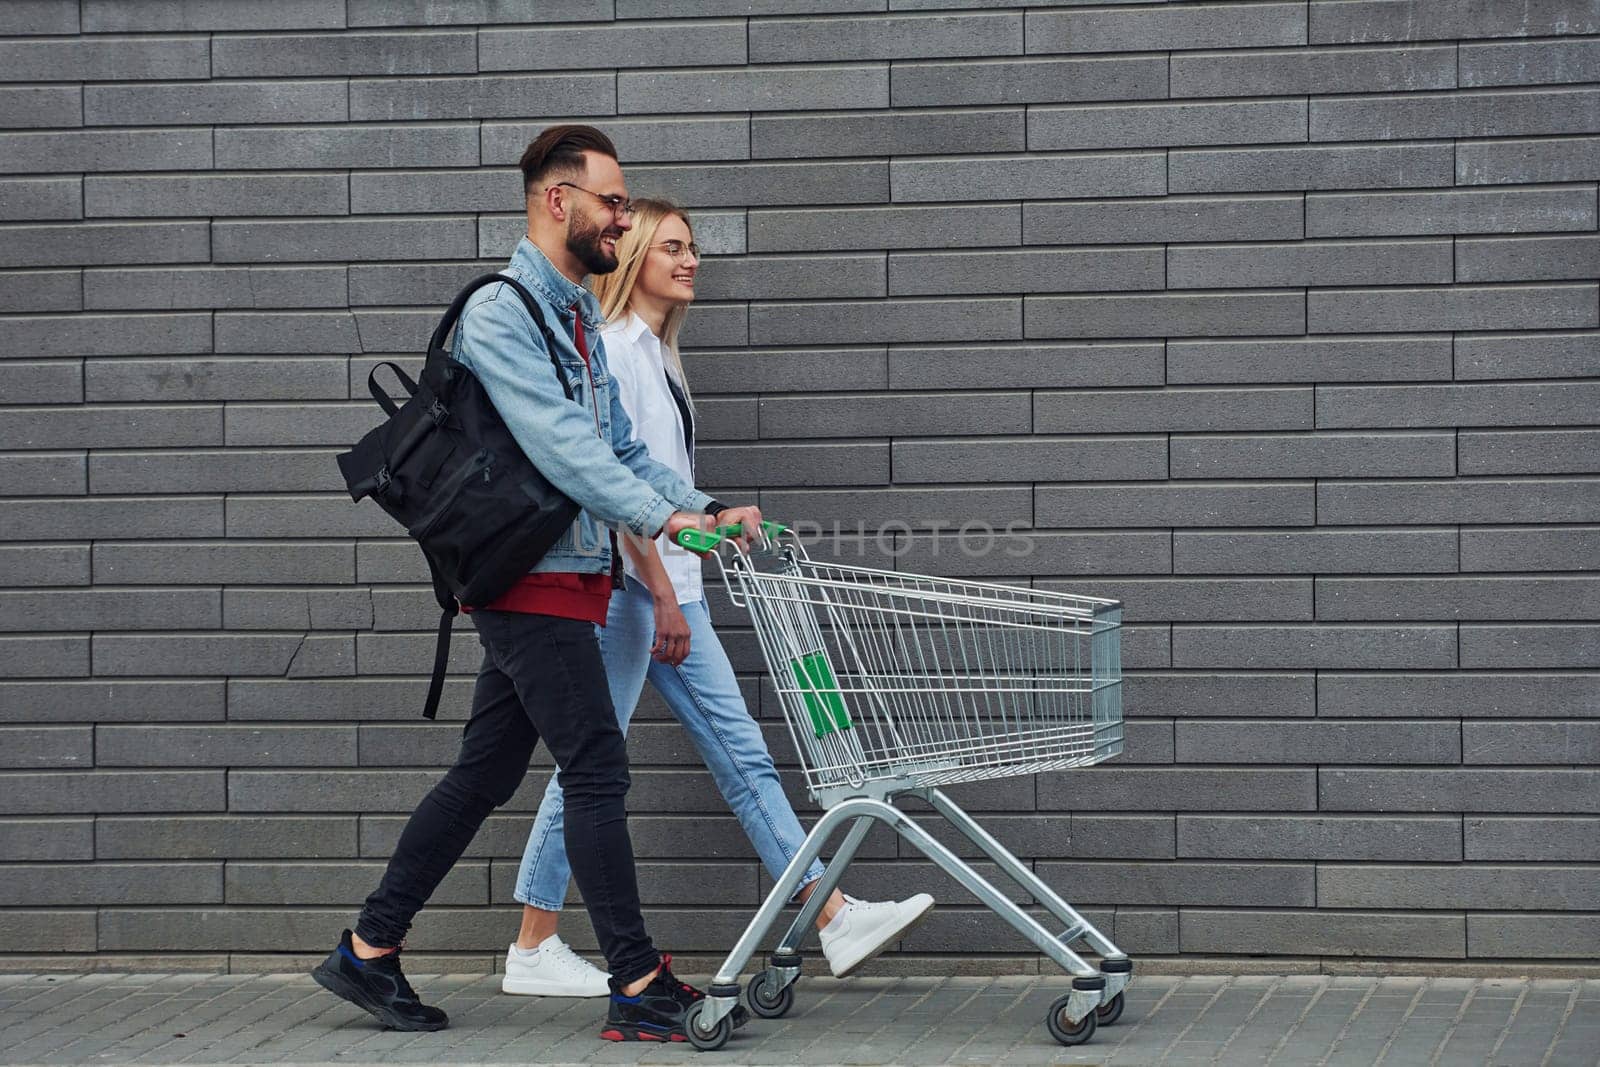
{"x":706,"y":540}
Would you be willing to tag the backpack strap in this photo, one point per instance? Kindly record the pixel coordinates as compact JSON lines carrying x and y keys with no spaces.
{"x":448,"y":610}
{"x":447,"y":323}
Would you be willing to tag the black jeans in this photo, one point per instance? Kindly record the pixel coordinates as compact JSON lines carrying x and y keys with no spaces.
{"x":541,"y":677}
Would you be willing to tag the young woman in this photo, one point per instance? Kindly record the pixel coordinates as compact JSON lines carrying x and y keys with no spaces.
{"x":658,"y":628}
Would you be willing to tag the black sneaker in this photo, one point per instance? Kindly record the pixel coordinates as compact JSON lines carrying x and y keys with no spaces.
{"x":657,"y":1012}
{"x":688,"y":994}
{"x":377,"y":986}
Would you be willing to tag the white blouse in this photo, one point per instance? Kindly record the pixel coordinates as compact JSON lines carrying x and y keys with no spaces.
{"x":638,"y":364}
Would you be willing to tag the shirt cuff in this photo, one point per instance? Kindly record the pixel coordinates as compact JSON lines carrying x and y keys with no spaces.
{"x":653,"y":518}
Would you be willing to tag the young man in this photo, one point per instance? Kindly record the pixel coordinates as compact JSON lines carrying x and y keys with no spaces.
{"x":542,"y":675}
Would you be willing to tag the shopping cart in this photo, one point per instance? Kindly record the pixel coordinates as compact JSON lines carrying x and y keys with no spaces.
{"x":895,"y":685}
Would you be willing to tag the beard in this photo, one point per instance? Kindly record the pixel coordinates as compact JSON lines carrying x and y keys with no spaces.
{"x":583,"y":241}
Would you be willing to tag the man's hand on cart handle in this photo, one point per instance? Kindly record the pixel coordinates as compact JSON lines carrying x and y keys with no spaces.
{"x":747,"y":518}
{"x":679,"y":521}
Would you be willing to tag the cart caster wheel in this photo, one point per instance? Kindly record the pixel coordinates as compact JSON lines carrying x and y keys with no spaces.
{"x":758,"y":994}
{"x":1109,"y":1012}
{"x":706,"y":1041}
{"x":1063,"y":1031}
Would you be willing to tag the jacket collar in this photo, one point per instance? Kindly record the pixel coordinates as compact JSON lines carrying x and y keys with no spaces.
{"x":556,"y":287}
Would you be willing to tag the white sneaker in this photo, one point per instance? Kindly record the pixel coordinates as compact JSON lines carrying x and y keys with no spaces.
{"x":862,"y":929}
{"x":552,"y":970}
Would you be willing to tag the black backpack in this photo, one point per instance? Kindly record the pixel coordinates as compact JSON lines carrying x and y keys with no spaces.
{"x":445,"y":466}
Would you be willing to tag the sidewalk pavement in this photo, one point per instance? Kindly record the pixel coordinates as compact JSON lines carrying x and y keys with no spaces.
{"x":917,"y":1022}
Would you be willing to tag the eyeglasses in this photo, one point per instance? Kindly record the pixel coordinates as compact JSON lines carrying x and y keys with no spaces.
{"x":620,"y":206}
{"x":676,"y":249}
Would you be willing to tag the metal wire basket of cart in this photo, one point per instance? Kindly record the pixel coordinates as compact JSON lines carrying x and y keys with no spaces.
{"x":897,"y":685}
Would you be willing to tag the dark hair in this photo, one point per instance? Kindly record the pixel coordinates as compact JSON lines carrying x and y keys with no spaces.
{"x":561,"y":148}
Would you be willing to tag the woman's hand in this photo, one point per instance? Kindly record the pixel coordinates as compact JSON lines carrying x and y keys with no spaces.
{"x":672,"y":633}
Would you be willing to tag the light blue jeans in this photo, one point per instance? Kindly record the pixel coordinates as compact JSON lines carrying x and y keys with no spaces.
{"x":703,"y":694}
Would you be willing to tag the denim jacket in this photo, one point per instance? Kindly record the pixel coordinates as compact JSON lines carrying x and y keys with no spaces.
{"x":606,"y":471}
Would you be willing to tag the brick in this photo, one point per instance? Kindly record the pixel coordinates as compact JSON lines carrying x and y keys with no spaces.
{"x":1512,"y":259}
{"x":1310,"y":167}
{"x":1477,"y":888}
{"x":1176,"y":314}
{"x":304,"y":424}
{"x":48,"y":931}
{"x":1314,"y":551}
{"x":331,"y":515}
{"x":761,"y":184}
{"x":80,"y":885}
{"x":1298,"y":741}
{"x":110,"y":426}
{"x":34,"y":106}
{"x":1059,"y":366}
{"x":753,"y":88}
{"x":1530,"y":452}
{"x":109,"y":16}
{"x":1165,"y":219}
{"x":647,"y":44}
{"x":1322,"y":837}
{"x":389,"y":561}
{"x":110,"y":609}
{"x":1493,"y":696}
{"x":1529,"y":62}
{"x":1315,"y":455}
{"x":43,"y":747}
{"x":856,"y":322}
{"x":203,"y":103}
{"x":231,"y":746}
{"x":1530,"y":549}
{"x":891,"y":509}
{"x":1383,"y":935}
{"x":1341,"y":646}
{"x":1523,"y":791}
{"x":1539,"y":159}
{"x":1034,"y":458}
{"x":1176,"y":504}
{"x":47,"y":839}
{"x":214,"y":929}
{"x":1054,"y":80}
{"x":377,"y":192}
{"x":1200,"y":599}
{"x":110,"y":701}
{"x":1469,"y":113}
{"x":652,"y":140}
{"x":892,"y":133}
{"x":1178,"y":789}
{"x":1047,"y":552}
{"x":345,"y":239}
{"x":408,"y":283}
{"x":25,"y":565}
{"x":286,"y":331}
{"x":103,"y":243}
{"x":237,"y":379}
{"x":44,"y":657}
{"x":1313,"y":71}
{"x":105,"y":59}
{"x":1456,"y":405}
{"x":1144,"y":30}
{"x":41,"y":290}
{"x":1455,"y":211}
{"x":1503,"y":936}
{"x":1451,"y":308}
{"x":42,"y":473}
{"x":403,"y":654}
{"x":852,"y":229}
{"x":919,"y":415}
{"x":225,"y":837}
{"x":1558,"y":839}
{"x":1217,"y":693}
{"x":1536,"y":355}
{"x":342,"y":883}
{"x":1260,"y":884}
{"x":345,"y":699}
{"x":345,"y":53}
{"x":1548,"y":645}
{"x":107,"y":792}
{"x":885,"y":37}
{"x":1465,"y":500}
{"x":194,"y":654}
{"x":787,"y":370}
{"x":107,"y":335}
{"x":1309,"y":263}
{"x":224,"y":562}
{"x":1501,"y":743}
{"x":111,"y":517}
{"x":39,"y":17}
{"x":1140,"y":125}
{"x":1043,"y":177}
{"x":299,"y":609}
{"x":1416,"y":20}
{"x":1025,"y":271}
{"x":1152,"y":410}
{"x":251,"y":148}
{"x":794,"y":464}
{"x":481,"y":97}
{"x":215,"y":287}
{"x":41,"y":198}
{"x":218,"y":194}
{"x":429,"y":13}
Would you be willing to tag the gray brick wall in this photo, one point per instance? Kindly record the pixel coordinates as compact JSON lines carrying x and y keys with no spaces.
{"x":1277,"y":320}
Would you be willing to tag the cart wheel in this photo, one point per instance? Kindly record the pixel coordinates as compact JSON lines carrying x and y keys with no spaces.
{"x":1060,"y":1028}
{"x":764,"y":1002}
{"x":1110,"y":1011}
{"x":701,"y":1039}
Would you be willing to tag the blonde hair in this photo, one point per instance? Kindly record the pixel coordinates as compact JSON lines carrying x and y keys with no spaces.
{"x":616,"y":288}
